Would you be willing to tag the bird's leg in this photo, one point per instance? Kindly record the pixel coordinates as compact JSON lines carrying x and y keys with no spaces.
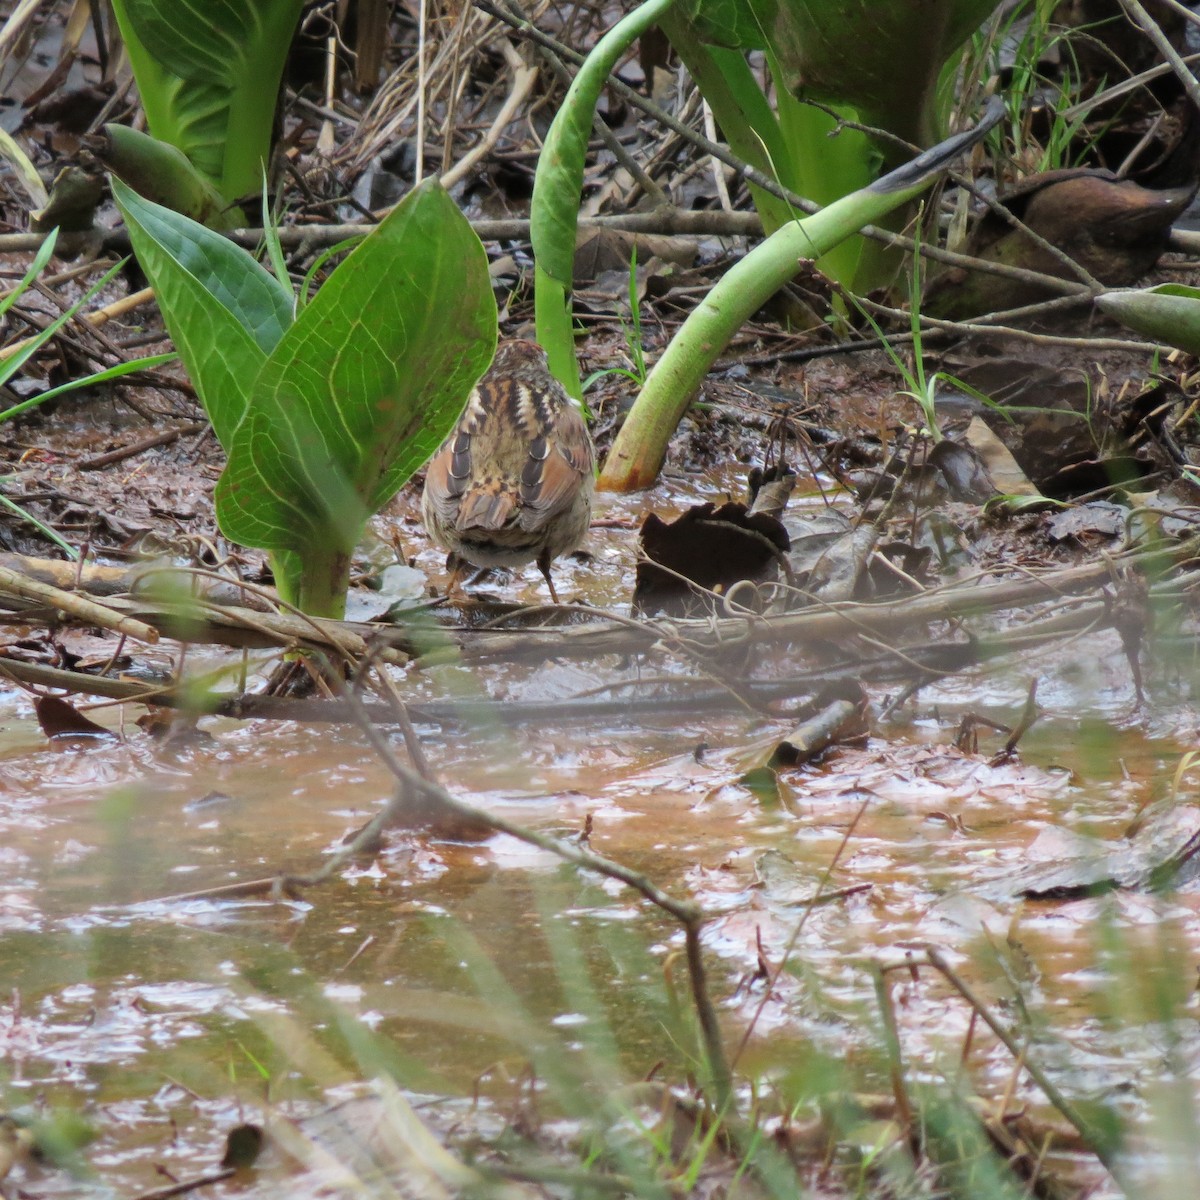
{"x":458,"y":567}
{"x":543,"y":565}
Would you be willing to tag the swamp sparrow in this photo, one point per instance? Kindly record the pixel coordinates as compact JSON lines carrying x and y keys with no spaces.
{"x":513,"y":483}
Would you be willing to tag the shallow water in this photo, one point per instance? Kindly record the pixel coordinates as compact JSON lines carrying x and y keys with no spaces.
{"x":167,"y":1021}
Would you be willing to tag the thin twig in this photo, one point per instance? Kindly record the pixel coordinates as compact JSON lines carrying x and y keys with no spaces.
{"x":1162,"y":44}
{"x":523,"y":79}
{"x":687,"y":913}
{"x":1095,"y":1139}
{"x":770,"y":984}
{"x":1001,"y":210}
{"x":986,"y":325}
{"x":623,"y":156}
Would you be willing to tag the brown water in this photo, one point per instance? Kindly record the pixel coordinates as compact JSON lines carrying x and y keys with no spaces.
{"x":168,"y":1021}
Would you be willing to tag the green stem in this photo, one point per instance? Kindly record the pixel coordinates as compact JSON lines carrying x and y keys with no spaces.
{"x":554,"y":209}
{"x":641,"y":445}
{"x":316,"y":582}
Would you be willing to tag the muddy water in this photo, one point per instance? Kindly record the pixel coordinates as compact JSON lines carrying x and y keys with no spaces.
{"x":165,"y":1021}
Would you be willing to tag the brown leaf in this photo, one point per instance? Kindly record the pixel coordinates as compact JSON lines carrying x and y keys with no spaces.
{"x":713,"y":548}
{"x":59,"y":719}
{"x":1114,"y":228}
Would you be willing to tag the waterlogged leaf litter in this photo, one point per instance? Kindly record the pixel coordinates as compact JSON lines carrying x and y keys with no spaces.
{"x":1157,"y":852}
{"x":63,"y":721}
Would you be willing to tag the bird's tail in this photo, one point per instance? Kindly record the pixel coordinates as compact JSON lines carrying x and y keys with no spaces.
{"x":484,"y":508}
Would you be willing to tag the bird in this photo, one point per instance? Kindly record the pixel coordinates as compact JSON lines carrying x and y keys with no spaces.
{"x":513,"y":482}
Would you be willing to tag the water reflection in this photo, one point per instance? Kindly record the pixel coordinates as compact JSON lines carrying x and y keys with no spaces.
{"x":171,"y":1018}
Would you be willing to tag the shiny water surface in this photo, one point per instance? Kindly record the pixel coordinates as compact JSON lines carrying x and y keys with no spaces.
{"x":166,"y":1019}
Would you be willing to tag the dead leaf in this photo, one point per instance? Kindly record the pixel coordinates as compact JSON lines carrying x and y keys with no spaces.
{"x":1114,"y":228}
{"x":713,"y":548}
{"x":60,"y":719}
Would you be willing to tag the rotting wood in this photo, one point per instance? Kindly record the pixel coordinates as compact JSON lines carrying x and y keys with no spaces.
{"x":817,"y":734}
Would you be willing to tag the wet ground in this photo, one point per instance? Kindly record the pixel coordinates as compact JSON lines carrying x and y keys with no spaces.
{"x":166,"y":1020}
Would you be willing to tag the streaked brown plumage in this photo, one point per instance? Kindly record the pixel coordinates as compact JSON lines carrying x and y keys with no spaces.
{"x":513,"y":483}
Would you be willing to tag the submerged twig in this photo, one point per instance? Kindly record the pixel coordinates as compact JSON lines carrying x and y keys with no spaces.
{"x":687,"y":913}
{"x":1094,"y":1138}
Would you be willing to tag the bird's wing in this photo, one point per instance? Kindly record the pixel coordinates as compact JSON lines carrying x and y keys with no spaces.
{"x":447,"y":475}
{"x":553,"y":470}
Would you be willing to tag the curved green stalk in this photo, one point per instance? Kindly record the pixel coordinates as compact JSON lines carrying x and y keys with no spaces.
{"x":788,"y":140}
{"x":554,"y":210}
{"x":641,"y":445}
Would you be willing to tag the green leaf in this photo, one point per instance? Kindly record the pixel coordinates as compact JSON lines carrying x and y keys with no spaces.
{"x":50,"y":534}
{"x":736,"y":24}
{"x":43,"y":256}
{"x":792,"y":142}
{"x":162,"y":173}
{"x":14,"y":362}
{"x":1015,"y":504}
{"x":742,"y":110}
{"x":225,"y":312}
{"x":1168,"y":313}
{"x":208,"y":72}
{"x":359,"y":393}
{"x":881,"y":58}
{"x":275,"y":253}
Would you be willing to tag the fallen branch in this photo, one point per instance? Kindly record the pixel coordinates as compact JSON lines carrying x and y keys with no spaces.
{"x":667,"y":220}
{"x":682,"y":696}
{"x":202,"y":620}
{"x":833,"y":622}
{"x":74,"y":604}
